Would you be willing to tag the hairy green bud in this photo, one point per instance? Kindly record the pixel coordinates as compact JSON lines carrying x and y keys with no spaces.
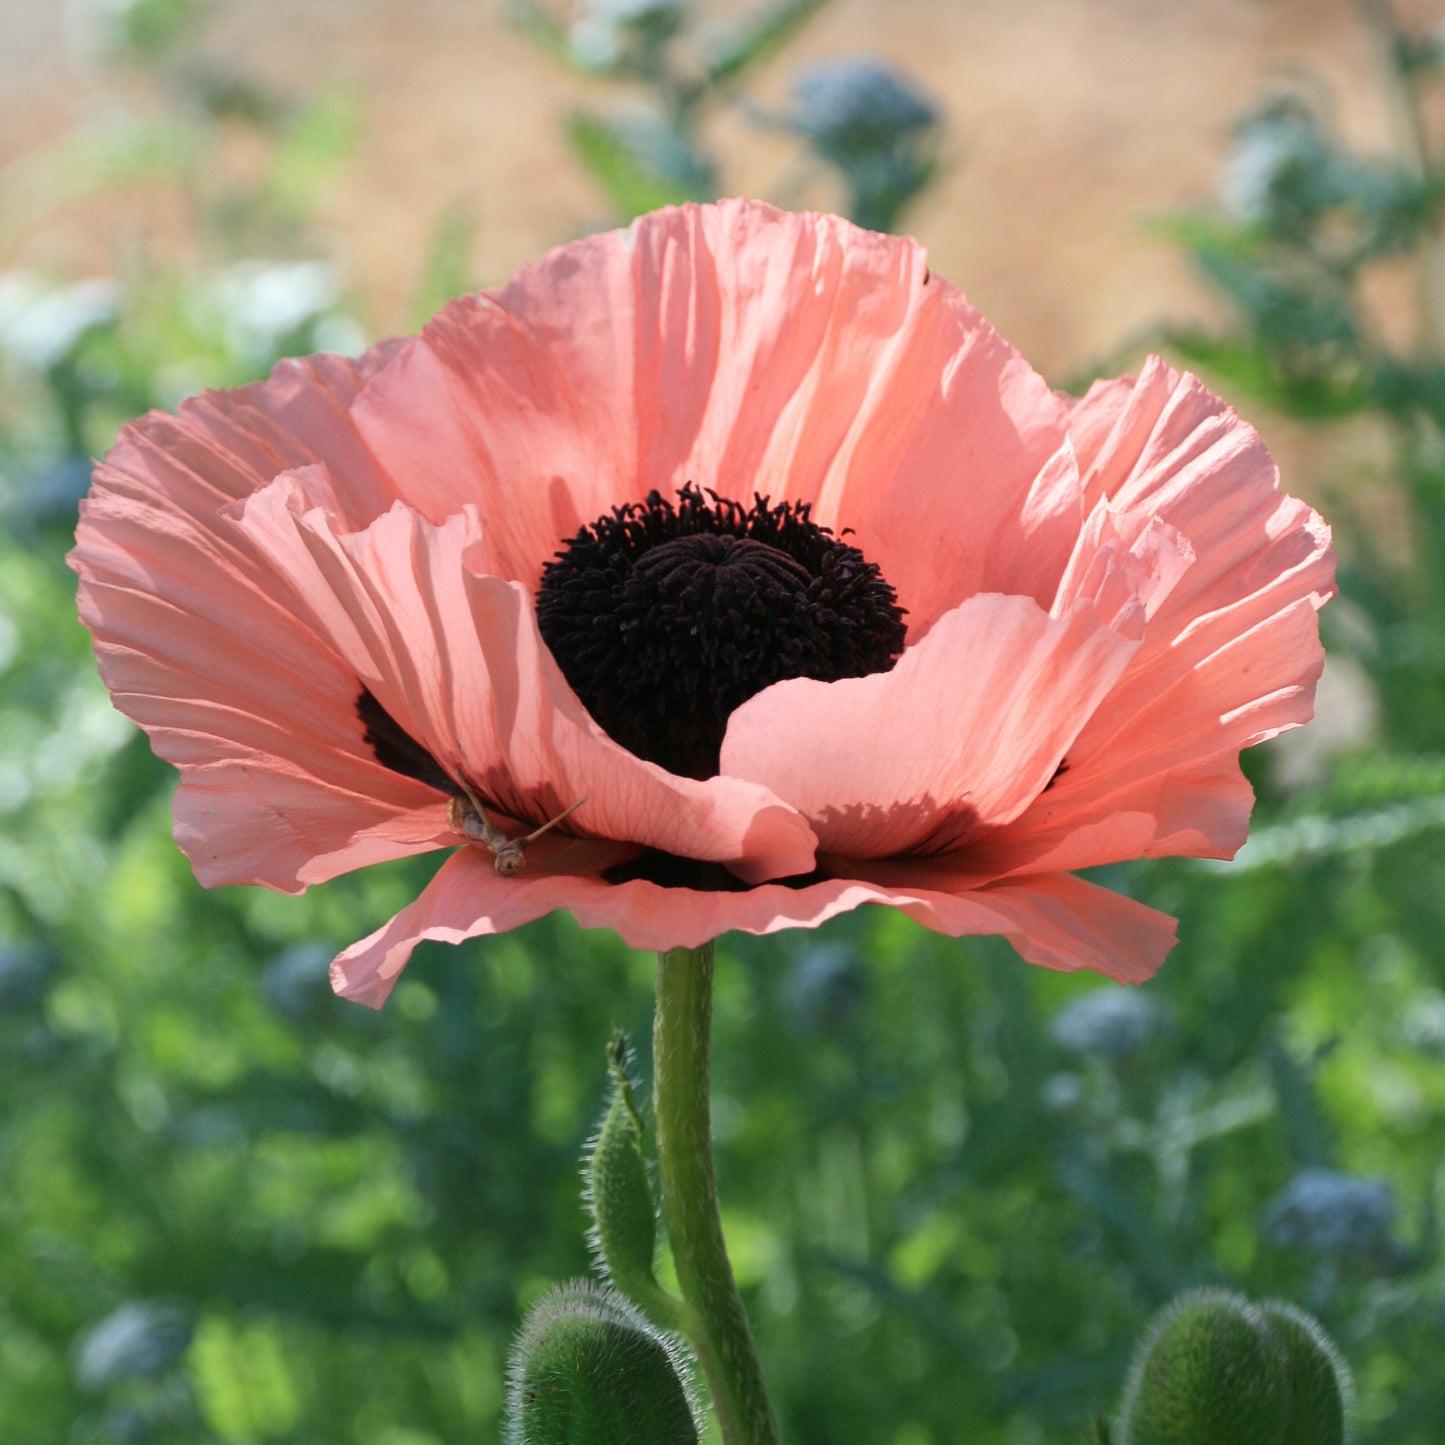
{"x":1322,"y":1391}
{"x":588,"y":1369}
{"x":1214,"y":1367}
{"x":618,"y":1195}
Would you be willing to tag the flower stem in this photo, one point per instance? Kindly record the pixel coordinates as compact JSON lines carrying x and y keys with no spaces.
{"x":719,"y":1334}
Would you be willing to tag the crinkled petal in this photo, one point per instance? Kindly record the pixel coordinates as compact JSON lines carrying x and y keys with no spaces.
{"x":1178,"y":452}
{"x":1058,"y":921}
{"x":1182,"y":769}
{"x":236,"y":832}
{"x":468,"y":898}
{"x":223,"y":445}
{"x":743,"y":349}
{"x":1125,"y":563}
{"x":457,"y":662}
{"x":1053,"y":920}
{"x":959,"y":737}
{"x":1231,"y":652}
{"x":254,"y":707}
{"x":1028,"y":556}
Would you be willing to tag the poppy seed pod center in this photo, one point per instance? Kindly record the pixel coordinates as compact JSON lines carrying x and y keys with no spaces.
{"x":665,"y":617}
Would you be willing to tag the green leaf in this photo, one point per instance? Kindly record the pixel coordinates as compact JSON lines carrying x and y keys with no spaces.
{"x":770,"y":26}
{"x":446,"y":272}
{"x":318,"y":143}
{"x":539,"y":26}
{"x":637,"y":175}
{"x":1209,"y":233}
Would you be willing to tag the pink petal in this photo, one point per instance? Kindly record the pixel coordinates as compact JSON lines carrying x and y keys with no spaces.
{"x":468,"y":898}
{"x":1060,"y":922}
{"x":1028,"y":557}
{"x":1125,"y":563}
{"x":223,"y":445}
{"x":257,"y":711}
{"x":744,"y":349}
{"x":959,"y":737}
{"x":1176,"y":758}
{"x":1231,"y":652}
{"x":457,"y":662}
{"x":1178,"y":452}
{"x":236,"y":832}
{"x":1053,"y":920}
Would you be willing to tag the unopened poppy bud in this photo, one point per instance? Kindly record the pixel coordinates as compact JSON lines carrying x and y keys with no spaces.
{"x":1214,"y":1367}
{"x":619,"y":1195}
{"x":1321,"y":1389}
{"x":1207,"y":1370}
{"x":587,"y":1369}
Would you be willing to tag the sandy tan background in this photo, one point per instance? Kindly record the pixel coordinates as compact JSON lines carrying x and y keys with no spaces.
{"x":1069,"y":121}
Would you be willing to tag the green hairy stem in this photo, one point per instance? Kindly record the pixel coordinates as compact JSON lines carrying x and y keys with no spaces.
{"x":718,"y":1326}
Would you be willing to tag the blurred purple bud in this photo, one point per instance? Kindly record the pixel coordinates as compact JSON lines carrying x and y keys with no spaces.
{"x":25,"y":972}
{"x":1329,"y":1213}
{"x":296,"y":983}
{"x":142,"y":1337}
{"x":854,"y":106}
{"x":1110,"y":1023}
{"x":1275,"y":172}
{"x":608,"y":33}
{"x":825,"y":989}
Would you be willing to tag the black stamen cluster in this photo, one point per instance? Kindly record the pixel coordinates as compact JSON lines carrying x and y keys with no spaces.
{"x":666,"y":616}
{"x":395,"y":748}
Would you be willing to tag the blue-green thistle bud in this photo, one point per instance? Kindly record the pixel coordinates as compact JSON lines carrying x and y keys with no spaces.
{"x":1325,"y":1212}
{"x":587,"y":1369}
{"x":143,"y":1338}
{"x":854,"y":106}
{"x":1213,"y":1367}
{"x":1110,"y":1023}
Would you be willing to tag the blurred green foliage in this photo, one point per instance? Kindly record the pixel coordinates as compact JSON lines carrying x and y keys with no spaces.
{"x":955,"y":1188}
{"x":854,"y":115}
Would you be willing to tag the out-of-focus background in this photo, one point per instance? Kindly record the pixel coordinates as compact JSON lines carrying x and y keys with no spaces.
{"x":233,"y":1209}
{"x":1069,"y":123}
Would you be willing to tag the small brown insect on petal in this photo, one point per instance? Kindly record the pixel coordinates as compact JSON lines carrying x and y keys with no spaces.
{"x":467,"y":816}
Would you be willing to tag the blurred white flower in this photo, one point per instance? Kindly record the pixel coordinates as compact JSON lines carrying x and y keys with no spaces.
{"x":263,"y":301}
{"x":40,"y":323}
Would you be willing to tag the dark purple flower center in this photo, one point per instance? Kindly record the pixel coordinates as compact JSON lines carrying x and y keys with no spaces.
{"x":666,"y":616}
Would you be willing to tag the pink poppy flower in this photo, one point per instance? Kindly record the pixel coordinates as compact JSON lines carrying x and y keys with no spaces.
{"x":745,"y":534}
